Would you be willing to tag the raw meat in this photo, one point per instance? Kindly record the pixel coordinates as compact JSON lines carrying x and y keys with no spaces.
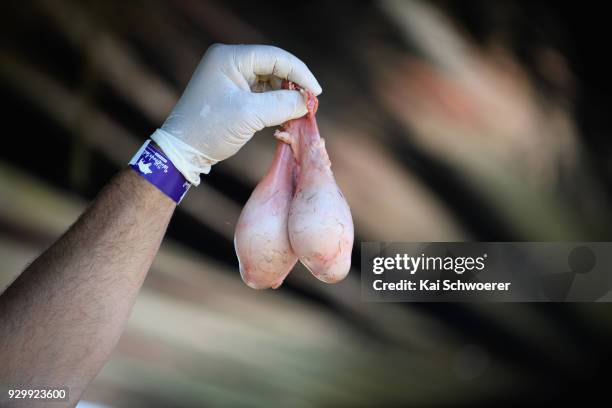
{"x":261,"y":239}
{"x":296,"y":211}
{"x":320,"y":223}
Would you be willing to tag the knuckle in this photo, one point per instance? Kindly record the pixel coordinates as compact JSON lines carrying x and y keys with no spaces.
{"x":276,"y":49}
{"x":216,"y":48}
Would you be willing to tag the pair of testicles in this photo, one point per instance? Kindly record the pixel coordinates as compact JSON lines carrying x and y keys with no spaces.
{"x":296,"y":212}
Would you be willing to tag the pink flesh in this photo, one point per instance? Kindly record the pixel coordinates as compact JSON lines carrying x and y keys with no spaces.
{"x":296,"y":211}
{"x":261,"y":239}
{"x":320,"y":223}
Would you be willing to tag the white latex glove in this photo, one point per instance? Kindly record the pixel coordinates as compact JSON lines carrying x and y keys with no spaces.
{"x":233,"y":93}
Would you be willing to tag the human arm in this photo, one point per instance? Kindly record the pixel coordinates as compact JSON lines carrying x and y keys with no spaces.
{"x":61,"y":318}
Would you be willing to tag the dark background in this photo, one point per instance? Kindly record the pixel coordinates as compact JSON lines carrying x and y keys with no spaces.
{"x":445,"y":120}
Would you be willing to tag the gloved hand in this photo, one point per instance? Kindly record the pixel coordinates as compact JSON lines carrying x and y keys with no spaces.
{"x":234,"y":92}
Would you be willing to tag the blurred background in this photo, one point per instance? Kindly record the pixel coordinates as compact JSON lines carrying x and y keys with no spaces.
{"x":445,"y":121}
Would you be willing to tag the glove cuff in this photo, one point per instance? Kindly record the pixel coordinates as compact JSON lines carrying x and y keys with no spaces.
{"x":189,"y":161}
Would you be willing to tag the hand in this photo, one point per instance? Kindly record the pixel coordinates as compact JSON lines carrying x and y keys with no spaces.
{"x":234,"y":92}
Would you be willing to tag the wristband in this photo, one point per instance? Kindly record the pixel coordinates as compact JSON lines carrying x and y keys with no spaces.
{"x":152,"y":164}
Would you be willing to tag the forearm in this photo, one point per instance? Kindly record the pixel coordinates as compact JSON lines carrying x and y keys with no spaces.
{"x":62,"y":317}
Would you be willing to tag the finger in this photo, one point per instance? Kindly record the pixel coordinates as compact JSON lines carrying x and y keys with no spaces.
{"x":276,"y":107}
{"x":270,"y":60}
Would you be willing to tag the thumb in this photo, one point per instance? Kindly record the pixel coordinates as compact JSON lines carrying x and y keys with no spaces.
{"x":276,"y":107}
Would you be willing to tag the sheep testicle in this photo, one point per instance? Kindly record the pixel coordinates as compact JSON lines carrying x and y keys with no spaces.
{"x":261,"y":239}
{"x":296,"y":212}
{"x":320,"y":223}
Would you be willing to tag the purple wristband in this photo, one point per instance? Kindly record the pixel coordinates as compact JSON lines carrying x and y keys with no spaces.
{"x":152,"y":164}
